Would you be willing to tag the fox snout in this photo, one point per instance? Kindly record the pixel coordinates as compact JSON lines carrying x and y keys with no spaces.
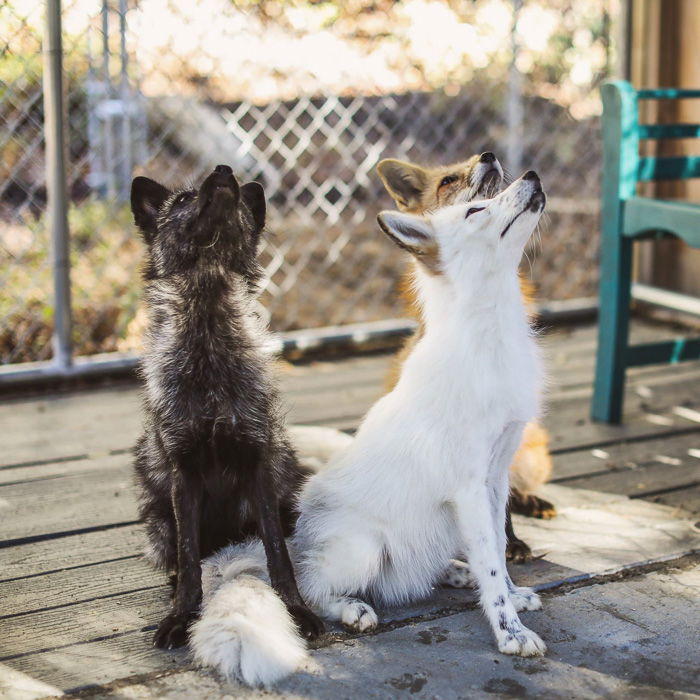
{"x":538,"y":197}
{"x":220,"y":184}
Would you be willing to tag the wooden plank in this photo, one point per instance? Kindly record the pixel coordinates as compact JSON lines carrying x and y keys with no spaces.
{"x":626,"y":467}
{"x":566,"y":411}
{"x":630,"y":518}
{"x":641,"y":482}
{"x":86,"y":499}
{"x":70,"y":587}
{"x":58,"y":470}
{"x":577,"y":374}
{"x":74,"y":425}
{"x":329,"y":374}
{"x":75,"y":666}
{"x":90,"y":620}
{"x":71,"y":552}
{"x":65,"y":426}
{"x":584,"y":337}
{"x":110,"y":420}
{"x":671,"y":451}
{"x":687,"y":499}
{"x":93,"y":423}
{"x":326,"y":408}
{"x":649,"y":410}
{"x":565,"y":419}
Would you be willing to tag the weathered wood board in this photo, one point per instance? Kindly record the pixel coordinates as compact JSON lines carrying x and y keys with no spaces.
{"x":78,"y":603}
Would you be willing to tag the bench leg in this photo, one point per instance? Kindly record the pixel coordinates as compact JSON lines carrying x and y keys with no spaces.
{"x":613,"y":327}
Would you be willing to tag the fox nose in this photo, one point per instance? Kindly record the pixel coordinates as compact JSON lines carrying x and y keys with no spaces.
{"x":487,"y":157}
{"x":531,"y":175}
{"x":223,"y":169}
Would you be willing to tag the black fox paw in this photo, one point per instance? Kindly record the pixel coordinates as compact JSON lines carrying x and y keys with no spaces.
{"x":542,"y":509}
{"x":309,"y":625}
{"x":532,"y":506}
{"x":173,"y":630}
{"x":518,"y":551}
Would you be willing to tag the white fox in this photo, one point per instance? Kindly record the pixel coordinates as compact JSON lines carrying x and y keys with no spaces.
{"x":426,"y":477}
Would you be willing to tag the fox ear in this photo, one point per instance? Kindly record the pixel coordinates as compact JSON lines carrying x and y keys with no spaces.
{"x":147,"y":197}
{"x":405,"y":182}
{"x":253,"y":194}
{"x":412,"y":233}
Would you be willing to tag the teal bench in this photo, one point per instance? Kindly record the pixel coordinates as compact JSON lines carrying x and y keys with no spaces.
{"x":626,"y":218}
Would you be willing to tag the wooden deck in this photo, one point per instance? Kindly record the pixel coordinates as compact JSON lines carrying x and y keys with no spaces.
{"x":78,"y":605}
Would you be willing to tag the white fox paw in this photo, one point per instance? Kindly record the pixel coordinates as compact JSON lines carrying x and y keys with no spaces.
{"x":525,"y":599}
{"x":457,"y":575}
{"x":358,"y":616}
{"x":524,"y":642}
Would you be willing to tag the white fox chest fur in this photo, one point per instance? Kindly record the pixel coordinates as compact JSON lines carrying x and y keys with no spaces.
{"x":475,"y":372}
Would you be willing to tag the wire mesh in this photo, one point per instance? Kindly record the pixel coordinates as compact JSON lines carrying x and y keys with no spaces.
{"x":169,"y":90}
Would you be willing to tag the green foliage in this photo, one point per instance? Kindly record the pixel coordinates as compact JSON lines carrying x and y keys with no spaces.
{"x":105,"y":284}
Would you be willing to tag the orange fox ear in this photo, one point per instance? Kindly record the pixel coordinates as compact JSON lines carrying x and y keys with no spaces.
{"x":405,"y":182}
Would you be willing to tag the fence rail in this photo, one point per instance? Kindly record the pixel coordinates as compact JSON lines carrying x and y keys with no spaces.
{"x":128,"y":112}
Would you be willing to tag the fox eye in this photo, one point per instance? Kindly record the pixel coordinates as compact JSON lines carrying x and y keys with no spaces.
{"x":181,"y":198}
{"x":473,"y":210}
{"x":447,"y":180}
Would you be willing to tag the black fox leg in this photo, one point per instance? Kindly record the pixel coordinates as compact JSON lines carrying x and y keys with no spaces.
{"x":278,"y":562}
{"x":516,"y":550}
{"x":187,"y":506}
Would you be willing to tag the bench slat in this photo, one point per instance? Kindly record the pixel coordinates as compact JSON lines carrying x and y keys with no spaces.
{"x":666,"y":94}
{"x":673,"y":168}
{"x":670,"y":351}
{"x":669,"y":131}
{"x":642,"y":215}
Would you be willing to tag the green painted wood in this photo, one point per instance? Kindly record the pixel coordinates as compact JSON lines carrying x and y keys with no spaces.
{"x":643,"y":214}
{"x":672,"y":168}
{"x":670,"y":352}
{"x":626,"y":217}
{"x":666,"y":94}
{"x":669,"y":131}
{"x":620,"y":164}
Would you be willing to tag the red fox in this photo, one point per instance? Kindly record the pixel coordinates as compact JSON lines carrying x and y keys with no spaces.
{"x":420,"y":190}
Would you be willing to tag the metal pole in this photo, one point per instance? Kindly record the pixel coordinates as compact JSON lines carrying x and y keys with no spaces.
{"x":127,"y":111}
{"x":57,"y":194}
{"x":107,"y":120}
{"x":514,"y":153}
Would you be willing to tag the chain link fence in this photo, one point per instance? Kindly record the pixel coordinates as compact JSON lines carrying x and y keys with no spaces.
{"x":155,"y":88}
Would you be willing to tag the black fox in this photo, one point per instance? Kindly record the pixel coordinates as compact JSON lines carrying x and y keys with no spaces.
{"x":214,"y":462}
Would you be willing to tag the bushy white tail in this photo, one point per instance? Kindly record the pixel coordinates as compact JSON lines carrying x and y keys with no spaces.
{"x":315,"y":444}
{"x":245,"y":630}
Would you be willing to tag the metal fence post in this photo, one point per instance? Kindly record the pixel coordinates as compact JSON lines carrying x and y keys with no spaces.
{"x":57,"y":195}
{"x":514,"y":152}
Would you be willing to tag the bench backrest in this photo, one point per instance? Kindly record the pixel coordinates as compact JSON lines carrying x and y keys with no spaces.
{"x":623,"y":167}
